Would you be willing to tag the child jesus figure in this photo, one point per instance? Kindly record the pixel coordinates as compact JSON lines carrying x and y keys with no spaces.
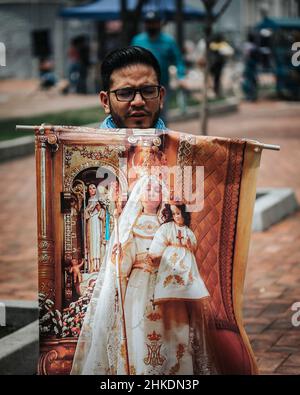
{"x":174,"y":244}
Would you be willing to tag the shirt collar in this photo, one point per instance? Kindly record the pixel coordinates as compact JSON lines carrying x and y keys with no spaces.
{"x":108,"y":123}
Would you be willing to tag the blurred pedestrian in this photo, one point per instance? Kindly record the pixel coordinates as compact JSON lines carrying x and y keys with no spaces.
{"x":47,"y":76}
{"x":84,"y":57}
{"x":251,"y":60}
{"x":79,"y":62}
{"x":265,"y":45}
{"x":219,"y":51}
{"x":164,"y":48}
{"x":74,"y":65}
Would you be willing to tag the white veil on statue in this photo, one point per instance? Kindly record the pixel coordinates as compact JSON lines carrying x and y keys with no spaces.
{"x":98,"y":345}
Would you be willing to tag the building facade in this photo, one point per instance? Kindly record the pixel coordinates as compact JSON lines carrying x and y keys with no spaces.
{"x":32,"y":30}
{"x":242,"y":15}
{"x":254,"y":10}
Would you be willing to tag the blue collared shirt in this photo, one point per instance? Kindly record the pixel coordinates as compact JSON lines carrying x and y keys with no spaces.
{"x":108,"y":123}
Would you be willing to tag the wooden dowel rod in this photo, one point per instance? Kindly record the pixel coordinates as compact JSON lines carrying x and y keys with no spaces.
{"x":267,"y":146}
{"x":270,"y":146}
{"x":26,"y":127}
{"x":256,"y":143}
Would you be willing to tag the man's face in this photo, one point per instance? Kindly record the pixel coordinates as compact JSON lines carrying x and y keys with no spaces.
{"x":153,"y":28}
{"x":138,"y":113}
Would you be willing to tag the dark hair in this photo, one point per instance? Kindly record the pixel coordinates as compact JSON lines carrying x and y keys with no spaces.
{"x":124,"y":57}
{"x":167,"y":215}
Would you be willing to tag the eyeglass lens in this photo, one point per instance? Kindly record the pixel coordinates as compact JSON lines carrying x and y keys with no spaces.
{"x":128,"y":94}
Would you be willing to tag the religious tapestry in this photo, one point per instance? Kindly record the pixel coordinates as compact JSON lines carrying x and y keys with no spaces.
{"x":143,"y":238}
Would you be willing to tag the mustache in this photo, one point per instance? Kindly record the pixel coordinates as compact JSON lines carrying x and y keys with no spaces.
{"x":133,"y":110}
{"x":140,"y":111}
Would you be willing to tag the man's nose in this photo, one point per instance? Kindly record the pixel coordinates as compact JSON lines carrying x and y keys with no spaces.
{"x":138,"y":99}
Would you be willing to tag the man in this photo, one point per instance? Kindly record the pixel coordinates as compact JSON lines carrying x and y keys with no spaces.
{"x":132,"y":95}
{"x":163,"y":47}
{"x":220,"y":51}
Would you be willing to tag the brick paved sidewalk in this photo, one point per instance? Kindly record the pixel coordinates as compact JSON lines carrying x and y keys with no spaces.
{"x":18,"y":250}
{"x":273,"y":274}
{"x":20,"y":98}
{"x":272,"y":286}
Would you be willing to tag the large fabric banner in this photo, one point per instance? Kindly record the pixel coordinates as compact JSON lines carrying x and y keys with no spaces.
{"x":143,"y":238}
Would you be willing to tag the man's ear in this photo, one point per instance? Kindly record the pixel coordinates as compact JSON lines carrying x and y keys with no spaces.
{"x":104,"y":100}
{"x":162,"y":95}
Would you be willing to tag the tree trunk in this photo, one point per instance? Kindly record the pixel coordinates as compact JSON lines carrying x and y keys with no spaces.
{"x":298,"y":6}
{"x":179,"y":24}
{"x":124,"y":18}
{"x":207,"y":38}
{"x":204,"y":105}
{"x":131,"y":20}
{"x":210,"y":18}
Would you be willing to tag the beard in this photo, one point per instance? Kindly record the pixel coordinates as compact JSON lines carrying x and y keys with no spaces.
{"x":120,"y":122}
{"x":153,"y":32}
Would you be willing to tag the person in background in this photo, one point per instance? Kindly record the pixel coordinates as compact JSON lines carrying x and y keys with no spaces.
{"x":84,"y":57}
{"x":74,"y":66}
{"x":79,"y":62}
{"x":219,"y":50}
{"x":47,"y":76}
{"x":164,"y":48}
{"x":251,"y":60}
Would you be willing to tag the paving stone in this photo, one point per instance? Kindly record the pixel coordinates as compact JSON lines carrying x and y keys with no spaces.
{"x":276,"y":309}
{"x":288,"y":369}
{"x":282,"y":323}
{"x":293,"y":359}
{"x":286,"y":349}
{"x":252,"y":312}
{"x":290,"y":338}
{"x":264,"y":341}
{"x":269,"y":362}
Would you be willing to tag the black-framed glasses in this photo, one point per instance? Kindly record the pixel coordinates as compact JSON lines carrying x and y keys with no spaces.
{"x":128,"y":94}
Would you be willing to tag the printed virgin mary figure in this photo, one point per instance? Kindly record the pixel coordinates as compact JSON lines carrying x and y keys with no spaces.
{"x":161,"y":339}
{"x":94,"y":215}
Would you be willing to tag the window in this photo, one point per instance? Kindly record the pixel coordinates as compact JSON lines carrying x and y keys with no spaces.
{"x":41,"y":45}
